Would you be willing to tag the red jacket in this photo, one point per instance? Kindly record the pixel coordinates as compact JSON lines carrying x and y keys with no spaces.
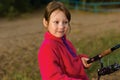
{"x":56,"y":62}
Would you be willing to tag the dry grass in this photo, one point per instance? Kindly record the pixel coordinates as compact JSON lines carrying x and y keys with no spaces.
{"x":20,"y":40}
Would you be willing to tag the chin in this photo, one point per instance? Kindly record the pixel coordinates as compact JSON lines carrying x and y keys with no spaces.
{"x":59,"y":36}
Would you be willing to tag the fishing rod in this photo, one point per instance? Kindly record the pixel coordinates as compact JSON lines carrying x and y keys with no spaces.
{"x":104,"y":53}
{"x":109,"y":69}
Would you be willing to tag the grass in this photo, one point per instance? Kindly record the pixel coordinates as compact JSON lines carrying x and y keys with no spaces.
{"x":22,"y":64}
{"x":95,"y":45}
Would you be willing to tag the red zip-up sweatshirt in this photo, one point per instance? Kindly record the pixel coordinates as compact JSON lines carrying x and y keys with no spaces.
{"x":56,"y":62}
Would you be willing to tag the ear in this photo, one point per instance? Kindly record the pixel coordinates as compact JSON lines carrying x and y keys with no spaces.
{"x":45,"y":23}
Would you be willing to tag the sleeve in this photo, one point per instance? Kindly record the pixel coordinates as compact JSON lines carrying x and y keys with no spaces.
{"x":49,"y":65}
{"x":83,"y":55}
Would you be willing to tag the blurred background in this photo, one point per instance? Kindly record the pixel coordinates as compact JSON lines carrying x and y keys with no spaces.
{"x":95,"y":28}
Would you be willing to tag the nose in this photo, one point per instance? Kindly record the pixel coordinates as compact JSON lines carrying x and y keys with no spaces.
{"x":61,"y":25}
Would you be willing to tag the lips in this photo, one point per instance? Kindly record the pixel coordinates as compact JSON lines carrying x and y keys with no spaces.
{"x":61,"y":31}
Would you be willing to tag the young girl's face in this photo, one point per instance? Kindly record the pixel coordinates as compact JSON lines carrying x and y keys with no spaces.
{"x":58,"y":23}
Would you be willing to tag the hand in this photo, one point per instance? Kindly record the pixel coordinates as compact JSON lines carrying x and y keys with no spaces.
{"x":84,"y":61}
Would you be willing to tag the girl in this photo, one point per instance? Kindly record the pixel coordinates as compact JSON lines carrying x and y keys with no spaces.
{"x":57,"y":57}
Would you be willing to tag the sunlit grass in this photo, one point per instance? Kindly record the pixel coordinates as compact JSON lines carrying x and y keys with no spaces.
{"x":95,"y":45}
{"x":22,"y":64}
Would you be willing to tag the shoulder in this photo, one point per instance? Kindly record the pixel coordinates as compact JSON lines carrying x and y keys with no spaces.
{"x":48,"y":50}
{"x":49,"y":43}
{"x":48,"y":46}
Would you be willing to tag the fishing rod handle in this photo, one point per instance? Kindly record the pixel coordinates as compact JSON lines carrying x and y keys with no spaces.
{"x":98,"y":57}
{"x":95,"y":58}
{"x":104,"y":53}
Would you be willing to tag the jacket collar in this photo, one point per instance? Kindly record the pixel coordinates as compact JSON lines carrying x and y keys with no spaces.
{"x":48,"y":35}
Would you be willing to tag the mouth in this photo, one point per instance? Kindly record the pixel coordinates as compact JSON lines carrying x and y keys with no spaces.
{"x":60,"y":31}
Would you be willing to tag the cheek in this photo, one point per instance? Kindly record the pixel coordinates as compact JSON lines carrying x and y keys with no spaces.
{"x":52,"y":28}
{"x":66,"y":28}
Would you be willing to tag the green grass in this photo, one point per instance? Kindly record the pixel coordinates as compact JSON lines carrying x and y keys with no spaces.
{"x":95,"y":45}
{"x":22,"y":64}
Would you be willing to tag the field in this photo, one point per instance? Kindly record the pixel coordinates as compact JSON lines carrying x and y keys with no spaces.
{"x":20,"y":39}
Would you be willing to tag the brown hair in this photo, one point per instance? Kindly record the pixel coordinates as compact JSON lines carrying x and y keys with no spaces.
{"x":55,"y":5}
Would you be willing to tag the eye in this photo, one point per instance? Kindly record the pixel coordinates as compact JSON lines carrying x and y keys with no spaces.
{"x":65,"y":22}
{"x":56,"y":22}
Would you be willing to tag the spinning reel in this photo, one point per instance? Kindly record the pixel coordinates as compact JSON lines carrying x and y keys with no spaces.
{"x":109,"y":69}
